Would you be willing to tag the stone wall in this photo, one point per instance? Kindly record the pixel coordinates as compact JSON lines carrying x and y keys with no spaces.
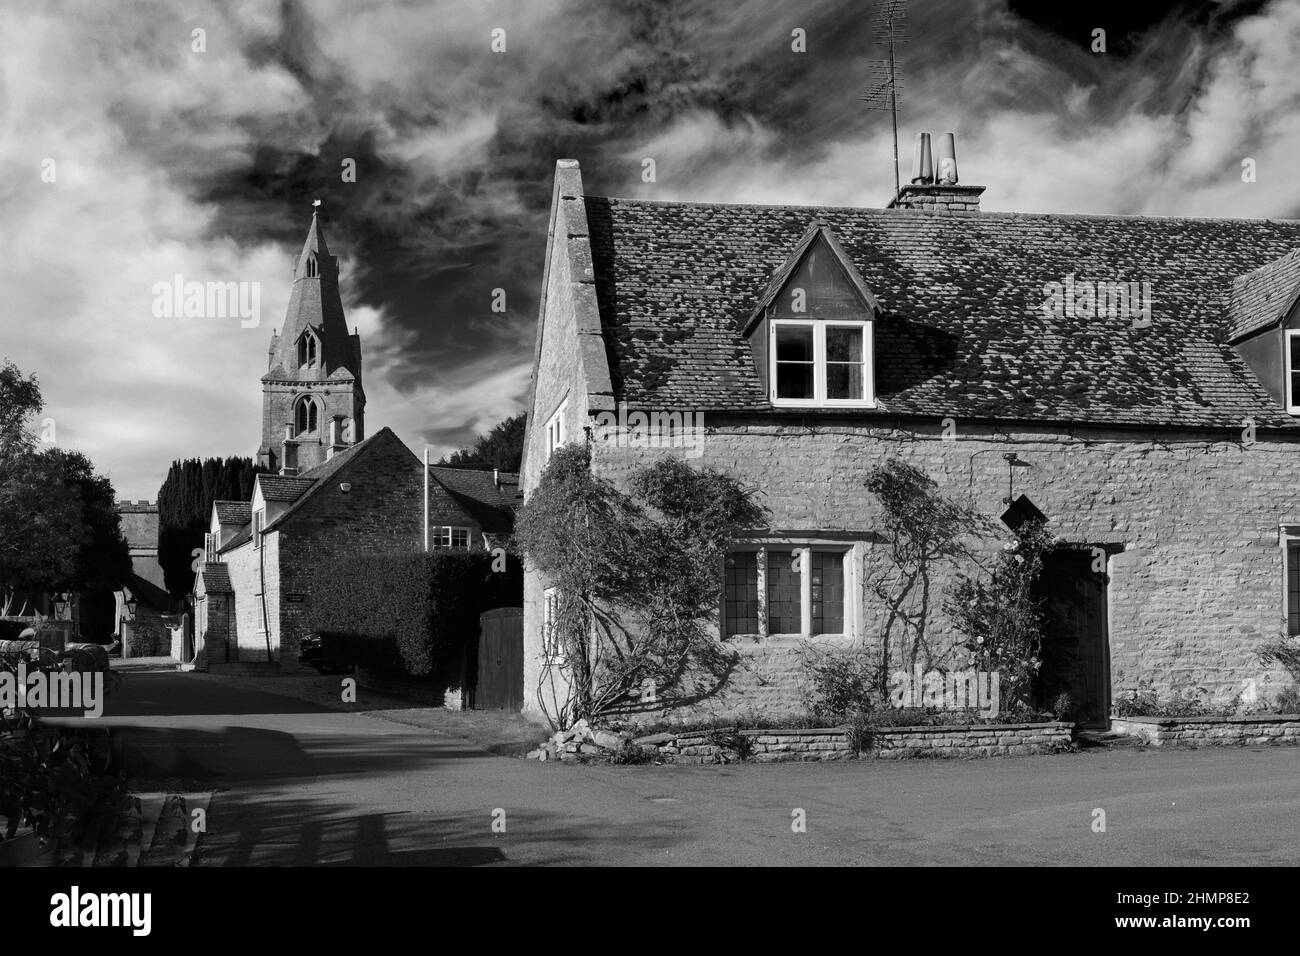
{"x":248,"y":641}
{"x":835,"y":743}
{"x":1196,"y":573}
{"x":145,"y":636}
{"x":1211,"y":731}
{"x":382,"y":513}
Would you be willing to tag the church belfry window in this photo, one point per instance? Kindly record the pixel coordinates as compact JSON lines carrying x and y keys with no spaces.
{"x":311,"y":267}
{"x":308,"y":350}
{"x":304,"y":416}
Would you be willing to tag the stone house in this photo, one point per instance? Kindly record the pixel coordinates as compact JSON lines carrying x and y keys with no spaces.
{"x":330,"y":490}
{"x":1136,"y":379}
{"x":252,"y":593}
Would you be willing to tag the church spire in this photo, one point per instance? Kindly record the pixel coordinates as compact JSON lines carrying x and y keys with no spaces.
{"x":316,"y":261}
{"x":313,"y":403}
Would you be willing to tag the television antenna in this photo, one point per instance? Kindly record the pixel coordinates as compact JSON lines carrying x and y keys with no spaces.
{"x":887,"y":25}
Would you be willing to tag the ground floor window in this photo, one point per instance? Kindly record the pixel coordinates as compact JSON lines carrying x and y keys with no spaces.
{"x":793,"y":589}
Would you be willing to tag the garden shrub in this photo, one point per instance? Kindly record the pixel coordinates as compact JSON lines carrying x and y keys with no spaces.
{"x":408,"y":613}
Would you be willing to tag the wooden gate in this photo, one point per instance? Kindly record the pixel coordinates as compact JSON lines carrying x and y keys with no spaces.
{"x":499,"y":683}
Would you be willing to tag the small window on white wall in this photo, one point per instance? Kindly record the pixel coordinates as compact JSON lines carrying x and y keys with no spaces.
{"x":1293,"y":371}
{"x":555,"y":435}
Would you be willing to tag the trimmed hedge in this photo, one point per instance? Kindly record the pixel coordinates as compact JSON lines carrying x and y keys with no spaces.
{"x":407,"y":613}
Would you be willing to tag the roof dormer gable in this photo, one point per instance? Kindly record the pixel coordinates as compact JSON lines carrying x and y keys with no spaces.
{"x":811,"y":330}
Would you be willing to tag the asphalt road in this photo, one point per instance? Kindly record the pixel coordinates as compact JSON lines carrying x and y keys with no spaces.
{"x":299,"y":784}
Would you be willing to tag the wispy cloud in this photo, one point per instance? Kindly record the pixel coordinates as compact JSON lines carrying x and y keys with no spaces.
{"x":174,"y":161}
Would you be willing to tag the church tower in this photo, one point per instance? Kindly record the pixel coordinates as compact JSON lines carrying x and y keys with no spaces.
{"x":312,"y":402}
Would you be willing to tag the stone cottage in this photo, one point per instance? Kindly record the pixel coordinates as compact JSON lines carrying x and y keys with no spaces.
{"x":1135,"y":379}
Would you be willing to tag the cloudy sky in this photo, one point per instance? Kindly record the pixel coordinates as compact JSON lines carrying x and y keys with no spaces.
{"x":169,"y":160}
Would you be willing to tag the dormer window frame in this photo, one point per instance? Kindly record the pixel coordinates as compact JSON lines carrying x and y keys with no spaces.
{"x":820,"y":364}
{"x":1291,"y":371}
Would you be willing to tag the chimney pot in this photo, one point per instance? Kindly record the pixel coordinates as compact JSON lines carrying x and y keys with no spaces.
{"x":922,"y":169}
{"x":946,"y":172}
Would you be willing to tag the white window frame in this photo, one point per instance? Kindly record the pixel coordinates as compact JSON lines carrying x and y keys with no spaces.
{"x":1292,"y":400}
{"x":555,"y":431}
{"x":210,"y":547}
{"x":259,"y":517}
{"x":446,"y":534}
{"x":852,"y":603}
{"x":819,"y":399}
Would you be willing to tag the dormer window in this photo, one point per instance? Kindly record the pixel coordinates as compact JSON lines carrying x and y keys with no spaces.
{"x":308,"y":350}
{"x":820,"y":363}
{"x":811,"y":330}
{"x":1292,"y":342}
{"x":305,"y":416}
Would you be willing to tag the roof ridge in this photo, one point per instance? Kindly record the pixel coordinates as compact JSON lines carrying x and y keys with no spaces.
{"x":942,"y":214}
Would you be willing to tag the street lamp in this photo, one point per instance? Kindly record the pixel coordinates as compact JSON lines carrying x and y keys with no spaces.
{"x":131,"y":604}
{"x":60,"y":605}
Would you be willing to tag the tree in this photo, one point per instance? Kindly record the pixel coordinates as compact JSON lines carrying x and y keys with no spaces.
{"x":103,"y":560}
{"x":922,"y":528}
{"x":59,"y":528}
{"x":502,"y":447}
{"x":185,"y":510}
{"x":636,"y":579}
{"x":1001,"y":619}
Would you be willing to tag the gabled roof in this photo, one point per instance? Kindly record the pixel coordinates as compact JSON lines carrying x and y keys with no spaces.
{"x":1264,"y":297}
{"x":284,"y":487}
{"x":817,"y":230}
{"x":477,"y":493}
{"x":962,"y":331}
{"x":323,"y":475}
{"x":233,"y":512}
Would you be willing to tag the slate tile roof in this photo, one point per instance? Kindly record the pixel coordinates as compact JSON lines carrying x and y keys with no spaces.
{"x":282,"y":488}
{"x":1263,"y":297}
{"x":963,"y":332}
{"x":476,"y":491}
{"x":234,"y":512}
{"x":216,"y":578}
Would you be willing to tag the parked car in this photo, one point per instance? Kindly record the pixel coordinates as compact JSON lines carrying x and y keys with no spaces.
{"x":318,"y":653}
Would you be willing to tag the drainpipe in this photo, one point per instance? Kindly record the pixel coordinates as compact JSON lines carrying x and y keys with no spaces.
{"x":426,"y":497}
{"x":261,"y":573}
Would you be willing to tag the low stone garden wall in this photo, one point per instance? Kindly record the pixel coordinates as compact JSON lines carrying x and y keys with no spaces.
{"x":835,"y":743}
{"x":1211,"y":731}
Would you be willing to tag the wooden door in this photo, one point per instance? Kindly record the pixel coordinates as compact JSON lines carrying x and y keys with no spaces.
{"x":499,"y":683}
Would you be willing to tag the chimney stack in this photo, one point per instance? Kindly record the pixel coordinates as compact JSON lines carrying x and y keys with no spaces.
{"x":935,"y":187}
